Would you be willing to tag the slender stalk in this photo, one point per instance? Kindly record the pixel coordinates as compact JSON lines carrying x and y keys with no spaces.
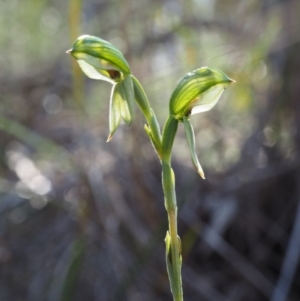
{"x":175,"y":250}
{"x":173,"y":255}
{"x":152,"y":129}
{"x":163,"y":146}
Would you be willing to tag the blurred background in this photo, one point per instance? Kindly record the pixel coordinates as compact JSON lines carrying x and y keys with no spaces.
{"x":82,"y":219}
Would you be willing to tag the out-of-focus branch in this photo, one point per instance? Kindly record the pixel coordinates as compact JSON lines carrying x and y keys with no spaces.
{"x":290,"y":263}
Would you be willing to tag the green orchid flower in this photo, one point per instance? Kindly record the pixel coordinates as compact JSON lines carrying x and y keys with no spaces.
{"x":99,"y":59}
{"x":198,"y":91}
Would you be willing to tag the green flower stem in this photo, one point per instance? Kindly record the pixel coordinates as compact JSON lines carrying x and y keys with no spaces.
{"x":153,"y":128}
{"x":173,"y":254}
{"x":168,"y":136}
{"x":163,"y":147}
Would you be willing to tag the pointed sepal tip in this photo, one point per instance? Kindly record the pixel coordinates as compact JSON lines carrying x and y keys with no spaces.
{"x":109,"y":138}
{"x":201,"y":173}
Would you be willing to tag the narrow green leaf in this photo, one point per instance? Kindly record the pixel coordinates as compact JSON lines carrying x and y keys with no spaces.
{"x":169,"y":263}
{"x":73,"y":269}
{"x":191,"y":141}
{"x":180,"y":250}
{"x":152,"y":139}
{"x":114,"y":111}
{"x":121,"y":105}
{"x":168,"y":182}
{"x":127,"y":101}
{"x":152,"y":129}
{"x":155,"y":132}
{"x":168,"y":137}
{"x":67,"y":271}
{"x":140,"y":97}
